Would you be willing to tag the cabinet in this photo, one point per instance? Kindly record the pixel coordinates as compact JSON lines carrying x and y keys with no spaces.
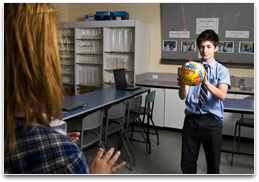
{"x":168,"y":109}
{"x":101,"y":46}
{"x":174,"y":109}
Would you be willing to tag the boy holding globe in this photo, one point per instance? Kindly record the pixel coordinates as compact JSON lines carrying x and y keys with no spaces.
{"x":204,"y":115}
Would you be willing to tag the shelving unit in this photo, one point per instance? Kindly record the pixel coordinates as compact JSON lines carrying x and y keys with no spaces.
{"x":66,"y":54}
{"x":88,"y":59}
{"x":101,"y":46}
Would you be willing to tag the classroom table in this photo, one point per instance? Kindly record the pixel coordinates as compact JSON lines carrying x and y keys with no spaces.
{"x":245,"y":106}
{"x":242,"y":106}
{"x":101,"y":98}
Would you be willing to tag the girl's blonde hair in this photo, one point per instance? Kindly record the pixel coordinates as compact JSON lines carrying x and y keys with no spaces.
{"x":32,"y":76}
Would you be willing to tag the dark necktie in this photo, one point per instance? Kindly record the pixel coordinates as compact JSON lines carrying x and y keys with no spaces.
{"x":203,"y":91}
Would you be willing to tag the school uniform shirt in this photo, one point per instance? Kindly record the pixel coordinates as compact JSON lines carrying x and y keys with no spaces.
{"x":217,"y":74}
{"x":41,"y":150}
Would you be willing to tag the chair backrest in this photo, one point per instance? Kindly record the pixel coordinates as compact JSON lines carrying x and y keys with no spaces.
{"x":134,"y":106}
{"x":116,"y":111}
{"x":150,"y":97}
{"x":150,"y":101}
{"x":135,"y":103}
{"x":116,"y":114}
{"x":92,"y":121}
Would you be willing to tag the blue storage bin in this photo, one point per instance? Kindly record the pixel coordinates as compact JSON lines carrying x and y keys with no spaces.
{"x":104,"y":13}
{"x":98,"y":18}
{"x":90,"y":17}
{"x":123,"y":14}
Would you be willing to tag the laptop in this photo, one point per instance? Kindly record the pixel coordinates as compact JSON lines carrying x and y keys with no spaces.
{"x":120,"y":80}
{"x":68,"y":105}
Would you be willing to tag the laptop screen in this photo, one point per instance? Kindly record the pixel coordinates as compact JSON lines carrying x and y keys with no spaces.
{"x":120,"y":78}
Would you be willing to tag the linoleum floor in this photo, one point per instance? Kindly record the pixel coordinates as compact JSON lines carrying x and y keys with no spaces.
{"x":165,"y":158}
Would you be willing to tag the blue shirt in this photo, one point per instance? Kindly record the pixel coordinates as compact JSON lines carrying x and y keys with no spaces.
{"x":217,"y":74}
{"x":41,"y":150}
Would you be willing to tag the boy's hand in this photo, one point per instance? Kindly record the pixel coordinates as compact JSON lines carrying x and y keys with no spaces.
{"x":180,"y":82}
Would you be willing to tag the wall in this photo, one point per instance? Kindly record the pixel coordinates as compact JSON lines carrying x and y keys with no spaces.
{"x":147,"y":12}
{"x":231,"y":16}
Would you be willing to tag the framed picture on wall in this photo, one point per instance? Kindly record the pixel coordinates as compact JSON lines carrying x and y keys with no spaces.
{"x":169,"y":45}
{"x":226,"y":47}
{"x":189,"y":45}
{"x":246,"y":47}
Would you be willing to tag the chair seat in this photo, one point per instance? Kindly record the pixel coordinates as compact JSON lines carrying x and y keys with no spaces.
{"x":132,"y":117}
{"x":246,"y":122}
{"x":90,"y":138}
{"x":142,"y":110}
{"x":114,"y":126}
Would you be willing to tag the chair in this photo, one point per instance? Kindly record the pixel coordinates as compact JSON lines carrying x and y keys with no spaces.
{"x":243,"y":122}
{"x":147,"y":110}
{"x":133,"y":118}
{"x":91,"y":130}
{"x":115,"y":119}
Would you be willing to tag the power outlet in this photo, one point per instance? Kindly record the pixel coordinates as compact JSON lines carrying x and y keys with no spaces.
{"x":155,"y":76}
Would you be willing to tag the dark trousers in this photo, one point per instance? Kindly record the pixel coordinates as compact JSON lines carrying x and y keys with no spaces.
{"x":199,"y":129}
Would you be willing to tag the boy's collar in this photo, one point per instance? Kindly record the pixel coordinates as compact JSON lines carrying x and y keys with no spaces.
{"x":211,"y":63}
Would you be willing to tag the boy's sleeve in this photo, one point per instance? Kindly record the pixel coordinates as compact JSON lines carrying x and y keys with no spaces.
{"x":224,"y":77}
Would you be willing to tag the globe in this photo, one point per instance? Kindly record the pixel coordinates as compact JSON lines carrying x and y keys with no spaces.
{"x":192,"y":73}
